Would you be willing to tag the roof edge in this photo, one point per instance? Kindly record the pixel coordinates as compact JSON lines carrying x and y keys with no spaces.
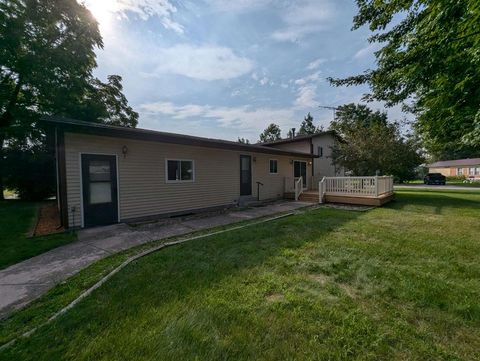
{"x":101,"y":129}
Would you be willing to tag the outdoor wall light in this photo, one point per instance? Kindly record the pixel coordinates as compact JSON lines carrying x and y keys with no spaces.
{"x":124,"y":151}
{"x":309,"y":162}
{"x":291,"y":161}
{"x":254,"y":159}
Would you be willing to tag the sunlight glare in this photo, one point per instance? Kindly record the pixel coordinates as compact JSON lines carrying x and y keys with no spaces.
{"x":103,"y":10}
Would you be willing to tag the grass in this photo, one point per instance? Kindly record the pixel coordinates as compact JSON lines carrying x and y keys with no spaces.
{"x":399,"y":282}
{"x":16,"y":220}
{"x":449,"y":183}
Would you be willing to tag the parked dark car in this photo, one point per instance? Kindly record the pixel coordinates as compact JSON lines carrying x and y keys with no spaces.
{"x":435,"y":178}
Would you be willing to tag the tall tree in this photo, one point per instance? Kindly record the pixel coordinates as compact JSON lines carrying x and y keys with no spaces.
{"x":46,"y":62}
{"x":428,"y":61}
{"x":243,"y":140}
{"x":307,"y":126}
{"x":371,"y":144}
{"x":271,"y":133}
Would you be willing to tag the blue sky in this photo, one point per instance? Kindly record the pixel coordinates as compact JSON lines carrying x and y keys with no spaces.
{"x":227,"y":69}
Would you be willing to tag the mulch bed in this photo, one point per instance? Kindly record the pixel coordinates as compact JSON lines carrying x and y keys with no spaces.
{"x":48,"y":220}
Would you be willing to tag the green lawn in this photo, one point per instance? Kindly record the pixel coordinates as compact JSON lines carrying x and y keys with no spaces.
{"x":16,"y":220}
{"x":396,"y":283}
{"x":449,"y":183}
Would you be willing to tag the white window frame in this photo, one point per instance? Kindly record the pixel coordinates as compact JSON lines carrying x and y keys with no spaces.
{"x":477,"y":170}
{"x":471,"y":171}
{"x":179,"y":180}
{"x":269,"y":168}
{"x":459,"y":171}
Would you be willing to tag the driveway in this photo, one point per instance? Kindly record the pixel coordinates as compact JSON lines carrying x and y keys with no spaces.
{"x":434,"y":187}
{"x":25,"y":281}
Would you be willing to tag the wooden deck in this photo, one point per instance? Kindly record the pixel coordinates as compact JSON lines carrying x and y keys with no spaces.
{"x":368,"y":191}
{"x":313,"y":197}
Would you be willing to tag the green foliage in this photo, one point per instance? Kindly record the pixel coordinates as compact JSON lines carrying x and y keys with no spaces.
{"x":371,"y":144}
{"x":428,"y":61}
{"x":271,"y":133}
{"x":307,"y":126}
{"x":47,"y":56}
{"x":30,"y":171}
{"x":456,"y":178}
{"x":243,"y":140}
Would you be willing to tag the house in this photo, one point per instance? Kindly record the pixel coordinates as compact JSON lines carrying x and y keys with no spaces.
{"x":108,"y":174}
{"x":318,"y":145}
{"x":461,"y":167}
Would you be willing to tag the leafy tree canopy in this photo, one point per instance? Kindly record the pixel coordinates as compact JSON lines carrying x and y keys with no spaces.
{"x":243,"y":140}
{"x":371,"y":144}
{"x":307,"y":126}
{"x":271,"y":133}
{"x":428,"y":61}
{"x":47,"y":55}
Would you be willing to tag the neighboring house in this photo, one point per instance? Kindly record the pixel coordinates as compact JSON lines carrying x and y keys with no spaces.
{"x":460,"y":167}
{"x":319,"y":145}
{"x":108,"y":174}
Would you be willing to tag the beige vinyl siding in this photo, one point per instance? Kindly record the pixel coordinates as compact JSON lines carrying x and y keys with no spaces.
{"x":444,"y":171}
{"x":143,"y":190}
{"x":323,"y":166}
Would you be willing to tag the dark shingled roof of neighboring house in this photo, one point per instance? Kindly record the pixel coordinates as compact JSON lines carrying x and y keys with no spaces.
{"x":455,"y":163}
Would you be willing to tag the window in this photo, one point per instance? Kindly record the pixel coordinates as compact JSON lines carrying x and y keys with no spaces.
{"x":179,"y":170}
{"x":471,"y":171}
{"x":273,"y":166}
{"x":477,"y":171}
{"x":320,"y":151}
{"x":459,"y":171}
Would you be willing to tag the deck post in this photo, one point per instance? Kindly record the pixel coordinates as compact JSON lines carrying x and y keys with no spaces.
{"x":376,"y":186}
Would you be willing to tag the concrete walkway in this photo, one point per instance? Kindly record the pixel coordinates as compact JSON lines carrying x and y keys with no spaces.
{"x":28,"y":280}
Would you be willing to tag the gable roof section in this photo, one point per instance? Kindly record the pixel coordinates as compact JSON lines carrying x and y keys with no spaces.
{"x":78,"y":126}
{"x":298,"y":138}
{"x":455,"y":163}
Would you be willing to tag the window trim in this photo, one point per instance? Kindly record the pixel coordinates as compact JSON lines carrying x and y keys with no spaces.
{"x":179,"y":180}
{"x":270,"y":168}
{"x":459,"y":171}
{"x":471,"y":171}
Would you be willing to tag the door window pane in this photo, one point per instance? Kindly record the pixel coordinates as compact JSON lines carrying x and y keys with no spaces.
{"x":100,"y":192}
{"x":245,"y":163}
{"x":99,"y":170}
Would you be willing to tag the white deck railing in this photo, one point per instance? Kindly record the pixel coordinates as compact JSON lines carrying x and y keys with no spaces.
{"x":298,"y":188}
{"x":355,"y":186}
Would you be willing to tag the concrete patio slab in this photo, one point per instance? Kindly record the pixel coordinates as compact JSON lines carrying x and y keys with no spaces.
{"x":28,"y":280}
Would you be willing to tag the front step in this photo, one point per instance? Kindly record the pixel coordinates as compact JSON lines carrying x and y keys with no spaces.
{"x":312,"y":198}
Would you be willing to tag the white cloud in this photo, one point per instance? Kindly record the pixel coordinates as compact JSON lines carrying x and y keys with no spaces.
{"x":307,"y":90}
{"x":306,"y":96}
{"x":316,"y":64}
{"x":201,"y":62}
{"x":241,"y":118}
{"x":367,"y":51}
{"x":303,"y":18}
{"x":144,"y":9}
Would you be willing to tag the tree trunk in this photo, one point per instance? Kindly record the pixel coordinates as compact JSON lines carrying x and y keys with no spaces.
{"x":2,"y":174}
